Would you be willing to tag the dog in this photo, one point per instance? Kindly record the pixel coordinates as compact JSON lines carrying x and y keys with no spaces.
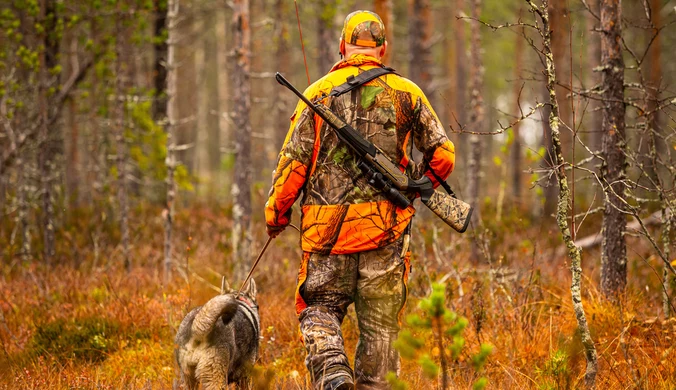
{"x":217,"y":344}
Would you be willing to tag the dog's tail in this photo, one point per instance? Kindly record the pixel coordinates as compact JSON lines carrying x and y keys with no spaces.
{"x":221,"y":306}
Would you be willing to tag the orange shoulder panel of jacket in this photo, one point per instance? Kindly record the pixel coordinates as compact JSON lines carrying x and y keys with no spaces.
{"x":401,"y":83}
{"x":443,"y":161}
{"x":289,"y":179}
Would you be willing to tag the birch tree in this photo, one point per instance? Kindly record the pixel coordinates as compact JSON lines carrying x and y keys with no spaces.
{"x":476,"y":122}
{"x":241,"y":187}
{"x":564,"y":197}
{"x":170,"y":125}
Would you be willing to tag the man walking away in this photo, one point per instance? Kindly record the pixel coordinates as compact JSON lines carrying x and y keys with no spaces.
{"x":352,"y":236}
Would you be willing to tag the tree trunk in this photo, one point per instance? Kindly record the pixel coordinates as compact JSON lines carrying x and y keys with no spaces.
{"x":515,"y":166}
{"x":48,"y":60}
{"x":199,"y":168}
{"x":212,"y":92}
{"x":613,"y":169}
{"x":550,"y":189}
{"x":224,"y":67}
{"x":326,"y":38}
{"x":561,"y":24}
{"x":461,"y":76}
{"x":160,"y":66}
{"x":23,"y":168}
{"x":420,"y":60}
{"x":72,"y":168}
{"x":476,"y":123}
{"x":241,"y":188}
{"x":593,"y":77}
{"x":282,"y":62}
{"x":653,"y":88}
{"x":168,"y":213}
{"x":668,"y":280}
{"x":562,"y":214}
{"x":384,"y":9}
{"x":120,"y":141}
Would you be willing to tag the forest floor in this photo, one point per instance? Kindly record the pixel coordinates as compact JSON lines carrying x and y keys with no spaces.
{"x":87,"y":324}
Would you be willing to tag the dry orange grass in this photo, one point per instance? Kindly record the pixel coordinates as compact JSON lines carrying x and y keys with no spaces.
{"x":524,"y":310}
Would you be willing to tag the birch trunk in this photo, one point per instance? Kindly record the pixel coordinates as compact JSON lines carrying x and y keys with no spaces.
{"x":613,"y":169}
{"x":476,"y":123}
{"x":23,"y":207}
{"x":120,"y":142}
{"x":564,"y":198}
{"x":168,"y":213}
{"x":241,"y":188}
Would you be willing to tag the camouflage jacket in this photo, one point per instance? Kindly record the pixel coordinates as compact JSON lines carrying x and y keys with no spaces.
{"x":341,"y":212}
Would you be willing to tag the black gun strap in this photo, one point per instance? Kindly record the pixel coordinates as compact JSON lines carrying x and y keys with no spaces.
{"x":359,"y":80}
{"x":443,"y":183}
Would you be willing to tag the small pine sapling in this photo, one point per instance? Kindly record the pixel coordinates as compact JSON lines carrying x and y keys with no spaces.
{"x":446,"y":328}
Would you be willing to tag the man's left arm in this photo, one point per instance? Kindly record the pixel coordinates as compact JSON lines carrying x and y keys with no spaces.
{"x":430,"y":138}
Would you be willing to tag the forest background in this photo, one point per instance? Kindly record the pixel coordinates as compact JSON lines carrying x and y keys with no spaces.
{"x":138,"y":137}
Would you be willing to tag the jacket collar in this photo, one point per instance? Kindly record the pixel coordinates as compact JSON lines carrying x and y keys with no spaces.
{"x":357,"y":60}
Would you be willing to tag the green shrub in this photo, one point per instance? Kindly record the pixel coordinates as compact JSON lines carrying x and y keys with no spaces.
{"x":446,"y":328}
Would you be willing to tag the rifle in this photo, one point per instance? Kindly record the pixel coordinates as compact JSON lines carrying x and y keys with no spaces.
{"x":384,"y":175}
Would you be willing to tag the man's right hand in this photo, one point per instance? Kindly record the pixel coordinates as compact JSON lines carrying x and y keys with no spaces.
{"x":274,"y":231}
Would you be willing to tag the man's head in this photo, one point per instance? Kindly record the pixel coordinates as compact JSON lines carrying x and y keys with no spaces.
{"x":363,"y":33}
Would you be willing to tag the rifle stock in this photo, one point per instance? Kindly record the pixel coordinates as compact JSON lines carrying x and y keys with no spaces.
{"x":454,"y":212}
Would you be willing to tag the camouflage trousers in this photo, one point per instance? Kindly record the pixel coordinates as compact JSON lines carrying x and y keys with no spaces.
{"x":375,"y":281}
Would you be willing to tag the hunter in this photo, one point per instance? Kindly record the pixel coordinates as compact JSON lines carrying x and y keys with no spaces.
{"x":353,"y":237}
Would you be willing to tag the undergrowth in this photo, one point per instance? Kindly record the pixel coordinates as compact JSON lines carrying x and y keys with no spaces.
{"x":86,"y":324}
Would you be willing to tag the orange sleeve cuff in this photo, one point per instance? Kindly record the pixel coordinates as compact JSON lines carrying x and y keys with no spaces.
{"x":288,"y":180}
{"x":442,"y":162}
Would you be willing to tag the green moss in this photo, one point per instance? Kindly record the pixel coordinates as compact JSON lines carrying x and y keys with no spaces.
{"x":87,"y":340}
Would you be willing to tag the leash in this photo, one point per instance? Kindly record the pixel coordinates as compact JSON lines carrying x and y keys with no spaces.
{"x":258,"y":259}
{"x":307,"y":72}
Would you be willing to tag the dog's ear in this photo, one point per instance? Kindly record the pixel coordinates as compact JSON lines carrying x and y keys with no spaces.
{"x":251,"y":290}
{"x":225,"y":286}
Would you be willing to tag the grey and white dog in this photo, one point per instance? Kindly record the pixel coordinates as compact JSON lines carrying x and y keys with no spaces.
{"x":217,"y":344}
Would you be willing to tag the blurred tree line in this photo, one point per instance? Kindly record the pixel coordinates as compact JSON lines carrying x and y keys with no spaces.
{"x":107,"y":105}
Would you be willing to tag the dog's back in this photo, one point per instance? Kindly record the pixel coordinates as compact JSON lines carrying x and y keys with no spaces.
{"x":217,"y":343}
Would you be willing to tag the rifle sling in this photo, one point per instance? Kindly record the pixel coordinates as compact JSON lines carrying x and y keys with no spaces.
{"x":443,"y":183}
{"x":360,"y":79}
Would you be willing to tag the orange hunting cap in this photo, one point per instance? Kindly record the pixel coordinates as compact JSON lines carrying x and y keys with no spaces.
{"x":363,"y":28}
